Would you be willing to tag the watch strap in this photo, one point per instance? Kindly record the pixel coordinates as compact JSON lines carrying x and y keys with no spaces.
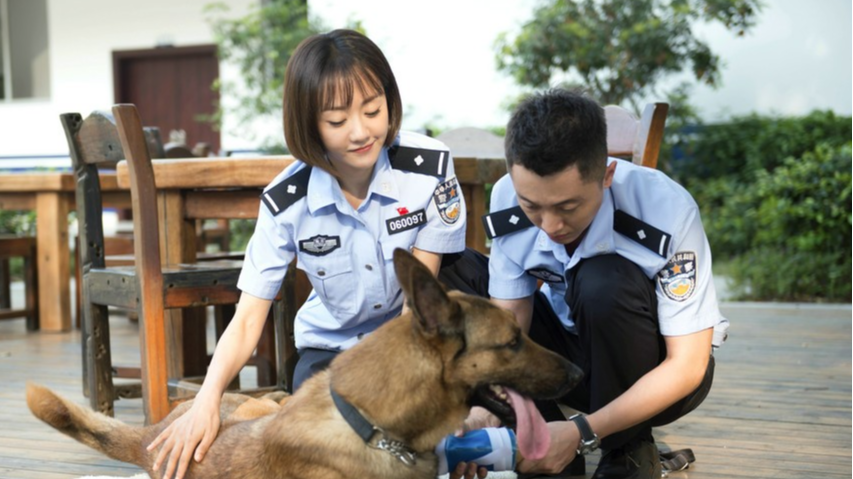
{"x":589,"y":441}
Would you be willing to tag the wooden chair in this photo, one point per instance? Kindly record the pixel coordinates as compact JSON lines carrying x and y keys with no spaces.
{"x":118,"y":249}
{"x":638,"y":140}
{"x":19,"y":247}
{"x":148,"y":287}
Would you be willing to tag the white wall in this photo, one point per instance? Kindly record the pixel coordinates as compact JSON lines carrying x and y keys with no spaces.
{"x":82,"y":35}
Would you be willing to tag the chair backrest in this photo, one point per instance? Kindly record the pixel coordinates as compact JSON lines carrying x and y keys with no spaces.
{"x":143,"y":196}
{"x":638,"y":140}
{"x":95,"y":143}
{"x":177,"y":150}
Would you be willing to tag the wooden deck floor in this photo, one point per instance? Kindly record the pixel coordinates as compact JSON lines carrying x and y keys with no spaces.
{"x":780,"y":406}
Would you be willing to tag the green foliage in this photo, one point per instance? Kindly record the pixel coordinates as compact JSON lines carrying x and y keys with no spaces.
{"x":241,"y":231}
{"x":799,"y":245}
{"x":748,"y":144}
{"x":17,"y":222}
{"x":260,"y":44}
{"x":619,"y":49}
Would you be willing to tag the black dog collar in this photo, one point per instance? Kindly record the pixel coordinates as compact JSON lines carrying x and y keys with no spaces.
{"x":373,"y":436}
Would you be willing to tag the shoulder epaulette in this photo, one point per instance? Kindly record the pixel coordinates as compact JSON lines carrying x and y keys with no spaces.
{"x":641,"y":232}
{"x":292,"y":189}
{"x":504,"y":222}
{"x":419,"y":160}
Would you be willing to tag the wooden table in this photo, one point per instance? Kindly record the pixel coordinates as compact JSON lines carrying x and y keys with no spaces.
{"x":207,"y":188}
{"x":51,"y":195}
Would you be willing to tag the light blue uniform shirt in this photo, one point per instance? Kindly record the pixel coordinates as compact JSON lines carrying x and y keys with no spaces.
{"x":680,"y":262}
{"x":347,"y":253}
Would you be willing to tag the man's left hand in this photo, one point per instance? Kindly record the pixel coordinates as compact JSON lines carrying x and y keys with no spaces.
{"x":564,"y":445}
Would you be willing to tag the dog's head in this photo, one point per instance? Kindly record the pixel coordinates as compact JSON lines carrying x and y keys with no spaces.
{"x":485,"y":354}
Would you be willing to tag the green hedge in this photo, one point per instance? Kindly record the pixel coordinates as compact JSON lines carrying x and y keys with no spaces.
{"x":775,"y":196}
{"x":787,"y":235}
{"x":748,"y":144}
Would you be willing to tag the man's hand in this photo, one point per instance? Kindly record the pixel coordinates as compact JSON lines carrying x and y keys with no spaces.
{"x":478,"y":418}
{"x":564,"y":445}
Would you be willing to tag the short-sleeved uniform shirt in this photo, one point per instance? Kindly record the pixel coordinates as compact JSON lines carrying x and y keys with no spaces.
{"x":646,"y":218}
{"x":414,"y":200}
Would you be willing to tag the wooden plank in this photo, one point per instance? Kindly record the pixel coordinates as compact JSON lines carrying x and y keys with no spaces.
{"x":206,"y":204}
{"x":34,"y":182}
{"x":257,"y":172}
{"x":17,"y":201}
{"x":212,"y":172}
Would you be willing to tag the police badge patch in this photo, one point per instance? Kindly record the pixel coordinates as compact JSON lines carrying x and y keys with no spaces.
{"x":447,"y":201}
{"x":678,"y":278}
{"x":320,"y":245}
{"x":545,"y":275}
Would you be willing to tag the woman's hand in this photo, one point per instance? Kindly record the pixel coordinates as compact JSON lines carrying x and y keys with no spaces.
{"x":478,"y":418}
{"x":188,"y":437}
{"x":468,"y":471}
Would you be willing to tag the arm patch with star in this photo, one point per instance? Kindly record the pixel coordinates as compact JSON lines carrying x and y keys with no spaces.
{"x":447,"y":201}
{"x":678,"y":278}
{"x":292,"y":189}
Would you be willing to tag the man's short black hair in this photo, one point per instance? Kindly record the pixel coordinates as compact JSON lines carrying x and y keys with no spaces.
{"x":555,"y":129}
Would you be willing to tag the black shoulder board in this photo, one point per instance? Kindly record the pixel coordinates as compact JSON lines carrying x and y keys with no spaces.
{"x":504,"y":222}
{"x":281,"y":196}
{"x":420,"y":160}
{"x":641,"y":232}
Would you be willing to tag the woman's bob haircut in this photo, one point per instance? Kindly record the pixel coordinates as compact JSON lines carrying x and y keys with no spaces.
{"x":323,"y":73}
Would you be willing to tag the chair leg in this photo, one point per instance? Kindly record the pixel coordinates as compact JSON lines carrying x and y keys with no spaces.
{"x":98,"y":378}
{"x":5,"y":285}
{"x":265,"y":359}
{"x":31,"y":286}
{"x":222,"y":315}
{"x":284,"y":313}
{"x":194,"y":339}
{"x":155,"y":362}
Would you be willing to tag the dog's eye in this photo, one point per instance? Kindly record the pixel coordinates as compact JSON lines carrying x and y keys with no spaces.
{"x":515,"y":344}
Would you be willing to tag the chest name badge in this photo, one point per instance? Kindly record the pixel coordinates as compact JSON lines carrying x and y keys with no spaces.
{"x":320,"y":245}
{"x":678,"y":278}
{"x":406,"y":222}
{"x":447,"y":201}
{"x":545,"y":275}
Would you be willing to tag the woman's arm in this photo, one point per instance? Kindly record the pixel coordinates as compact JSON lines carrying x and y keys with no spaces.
{"x":190,"y":436}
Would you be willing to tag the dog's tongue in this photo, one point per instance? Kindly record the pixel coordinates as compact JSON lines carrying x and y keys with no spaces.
{"x":530,"y":428}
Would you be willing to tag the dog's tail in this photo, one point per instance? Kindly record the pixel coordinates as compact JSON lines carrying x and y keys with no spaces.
{"x":110,"y":436}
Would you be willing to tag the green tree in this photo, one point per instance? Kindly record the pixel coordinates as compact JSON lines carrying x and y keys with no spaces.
{"x":260,"y":44}
{"x":619,"y":50}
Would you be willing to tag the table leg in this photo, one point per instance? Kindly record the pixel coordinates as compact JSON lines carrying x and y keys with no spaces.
{"x":54,"y":273}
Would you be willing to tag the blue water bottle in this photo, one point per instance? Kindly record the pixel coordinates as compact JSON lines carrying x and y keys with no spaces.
{"x":493,"y":448}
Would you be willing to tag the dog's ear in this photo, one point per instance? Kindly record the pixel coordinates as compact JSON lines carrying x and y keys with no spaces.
{"x":425,"y":295}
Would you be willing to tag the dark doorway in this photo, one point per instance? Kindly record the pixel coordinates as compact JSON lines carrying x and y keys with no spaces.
{"x":171,"y":87}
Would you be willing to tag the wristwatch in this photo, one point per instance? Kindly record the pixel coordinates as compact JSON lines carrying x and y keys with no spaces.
{"x":589,"y":441}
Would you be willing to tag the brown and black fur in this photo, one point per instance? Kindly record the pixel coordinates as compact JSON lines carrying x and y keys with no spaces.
{"x":415,"y":377}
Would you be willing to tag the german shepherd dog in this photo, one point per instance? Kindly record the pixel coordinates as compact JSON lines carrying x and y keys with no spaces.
{"x":413,"y":380}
